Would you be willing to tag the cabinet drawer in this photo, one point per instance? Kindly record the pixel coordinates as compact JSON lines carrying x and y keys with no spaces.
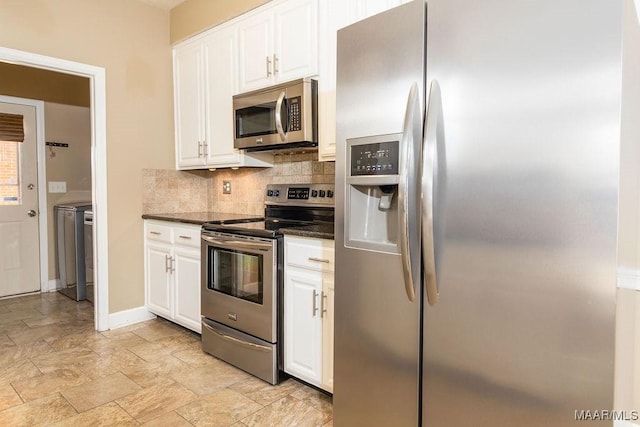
{"x":161,"y":233}
{"x":187,"y":236}
{"x":313,"y":254}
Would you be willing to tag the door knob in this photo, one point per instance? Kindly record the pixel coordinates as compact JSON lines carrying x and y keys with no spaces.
{"x":31,"y":186}
{"x":31,"y":213}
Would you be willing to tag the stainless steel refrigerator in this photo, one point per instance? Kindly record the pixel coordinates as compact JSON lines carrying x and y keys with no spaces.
{"x":476,"y":208}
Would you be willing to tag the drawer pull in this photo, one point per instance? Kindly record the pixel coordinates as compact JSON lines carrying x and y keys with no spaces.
{"x":157,"y":233}
{"x":326,"y":261}
{"x":185,"y":237}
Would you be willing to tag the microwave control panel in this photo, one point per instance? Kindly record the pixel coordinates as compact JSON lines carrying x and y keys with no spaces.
{"x":378,"y":158}
{"x":295,"y":113}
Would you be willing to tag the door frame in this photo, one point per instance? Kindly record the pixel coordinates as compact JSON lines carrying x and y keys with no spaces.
{"x":97,"y":81}
{"x":42,"y":183}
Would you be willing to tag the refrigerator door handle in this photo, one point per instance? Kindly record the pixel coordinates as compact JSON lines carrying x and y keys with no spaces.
{"x":433,"y":132}
{"x":409,"y":219}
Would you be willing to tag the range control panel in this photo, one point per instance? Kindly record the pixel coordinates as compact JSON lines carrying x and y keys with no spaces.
{"x":301,"y":194}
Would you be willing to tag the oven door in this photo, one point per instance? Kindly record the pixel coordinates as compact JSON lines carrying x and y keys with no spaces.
{"x":239,"y":284}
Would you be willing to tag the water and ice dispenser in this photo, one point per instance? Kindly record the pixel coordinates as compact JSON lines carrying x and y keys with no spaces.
{"x":372,"y":193}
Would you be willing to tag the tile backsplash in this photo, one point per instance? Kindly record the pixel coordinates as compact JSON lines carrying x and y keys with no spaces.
{"x":166,"y":191}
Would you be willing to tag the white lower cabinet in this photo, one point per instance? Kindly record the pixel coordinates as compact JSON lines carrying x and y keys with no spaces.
{"x":308,"y":310}
{"x":172,"y":272}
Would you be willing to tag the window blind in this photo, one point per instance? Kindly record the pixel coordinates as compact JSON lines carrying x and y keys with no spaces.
{"x":11,"y":127}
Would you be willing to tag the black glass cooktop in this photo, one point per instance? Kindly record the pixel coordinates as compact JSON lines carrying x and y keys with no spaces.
{"x":269,"y":227}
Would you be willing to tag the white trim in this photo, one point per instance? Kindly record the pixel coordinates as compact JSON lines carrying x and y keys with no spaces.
{"x":619,"y":423}
{"x":97,"y":79}
{"x":628,"y":279}
{"x":43,"y":237}
{"x":129,"y":317}
{"x":52,"y":286}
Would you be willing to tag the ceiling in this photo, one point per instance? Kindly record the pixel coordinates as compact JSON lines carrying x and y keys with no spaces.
{"x":163,"y":4}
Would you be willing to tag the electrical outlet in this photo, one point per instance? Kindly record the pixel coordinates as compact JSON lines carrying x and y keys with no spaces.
{"x":57,"y":187}
{"x":226,"y":187}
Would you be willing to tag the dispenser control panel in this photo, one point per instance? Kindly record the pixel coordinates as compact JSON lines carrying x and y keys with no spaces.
{"x":379,"y":158}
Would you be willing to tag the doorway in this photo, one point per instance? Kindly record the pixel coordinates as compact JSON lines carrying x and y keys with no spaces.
{"x":96,"y":76}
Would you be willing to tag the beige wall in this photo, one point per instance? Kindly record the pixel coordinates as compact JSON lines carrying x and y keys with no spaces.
{"x":131,"y":41}
{"x":33,"y":83}
{"x":628,"y":305}
{"x":70,"y":125}
{"x":195,"y":16}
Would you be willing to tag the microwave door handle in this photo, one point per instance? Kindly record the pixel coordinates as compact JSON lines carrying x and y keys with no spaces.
{"x":279,"y":127}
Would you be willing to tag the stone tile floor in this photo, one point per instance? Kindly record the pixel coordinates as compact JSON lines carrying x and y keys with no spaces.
{"x":55,"y":369}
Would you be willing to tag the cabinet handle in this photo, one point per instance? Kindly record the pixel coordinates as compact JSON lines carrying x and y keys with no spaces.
{"x":157,"y":233}
{"x":172,"y":264}
{"x":323,"y":305}
{"x":185,"y":237}
{"x":315,"y":306}
{"x":326,"y":261}
{"x":275,"y":64}
{"x":166,"y":264}
{"x":205,"y":149}
{"x":268,"y":66}
{"x":199,"y":149}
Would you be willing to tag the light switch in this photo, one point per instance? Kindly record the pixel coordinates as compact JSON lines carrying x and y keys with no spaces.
{"x":57,"y":186}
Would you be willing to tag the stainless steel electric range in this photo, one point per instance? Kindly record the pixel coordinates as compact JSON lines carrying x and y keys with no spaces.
{"x":242,"y":278}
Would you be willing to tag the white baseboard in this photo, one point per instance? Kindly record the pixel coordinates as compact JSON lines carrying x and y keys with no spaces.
{"x":129,"y":317}
{"x":51,"y":286}
{"x":628,"y":279}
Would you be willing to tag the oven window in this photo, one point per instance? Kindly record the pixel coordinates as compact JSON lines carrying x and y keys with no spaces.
{"x":256,"y":121}
{"x":236,"y":273}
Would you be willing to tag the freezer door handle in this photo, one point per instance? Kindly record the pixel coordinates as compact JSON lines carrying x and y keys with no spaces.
{"x":408,"y":193}
{"x":433,"y":138}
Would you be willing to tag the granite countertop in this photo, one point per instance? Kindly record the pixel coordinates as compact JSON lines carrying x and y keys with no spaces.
{"x":202,"y":217}
{"x":320,"y":231}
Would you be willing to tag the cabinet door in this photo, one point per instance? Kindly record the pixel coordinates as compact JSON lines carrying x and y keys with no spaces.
{"x":255,"y":51}
{"x":186,"y":282}
{"x":219,"y":70}
{"x":303,"y":325}
{"x":188,"y":106}
{"x":333,"y":15}
{"x":328,"y":290}
{"x":366,"y":8}
{"x":158,"y":279}
{"x":296,"y":39}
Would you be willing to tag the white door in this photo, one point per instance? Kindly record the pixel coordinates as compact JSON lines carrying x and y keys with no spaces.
{"x":186,"y":281}
{"x":255,"y":52}
{"x":188,"y":106}
{"x":303,"y":325}
{"x":158,"y":262}
{"x":19,"y":238}
{"x":296,"y":40}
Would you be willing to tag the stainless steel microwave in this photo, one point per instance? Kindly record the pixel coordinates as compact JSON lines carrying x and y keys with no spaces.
{"x":279,"y":117}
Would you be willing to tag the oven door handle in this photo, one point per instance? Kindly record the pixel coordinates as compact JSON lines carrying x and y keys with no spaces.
{"x":236,"y":340}
{"x":238,"y":244}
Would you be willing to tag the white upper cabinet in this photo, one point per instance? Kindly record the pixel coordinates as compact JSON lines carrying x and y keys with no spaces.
{"x":188,"y":105}
{"x":277,"y":43}
{"x":204,"y":83}
{"x":333,"y":15}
